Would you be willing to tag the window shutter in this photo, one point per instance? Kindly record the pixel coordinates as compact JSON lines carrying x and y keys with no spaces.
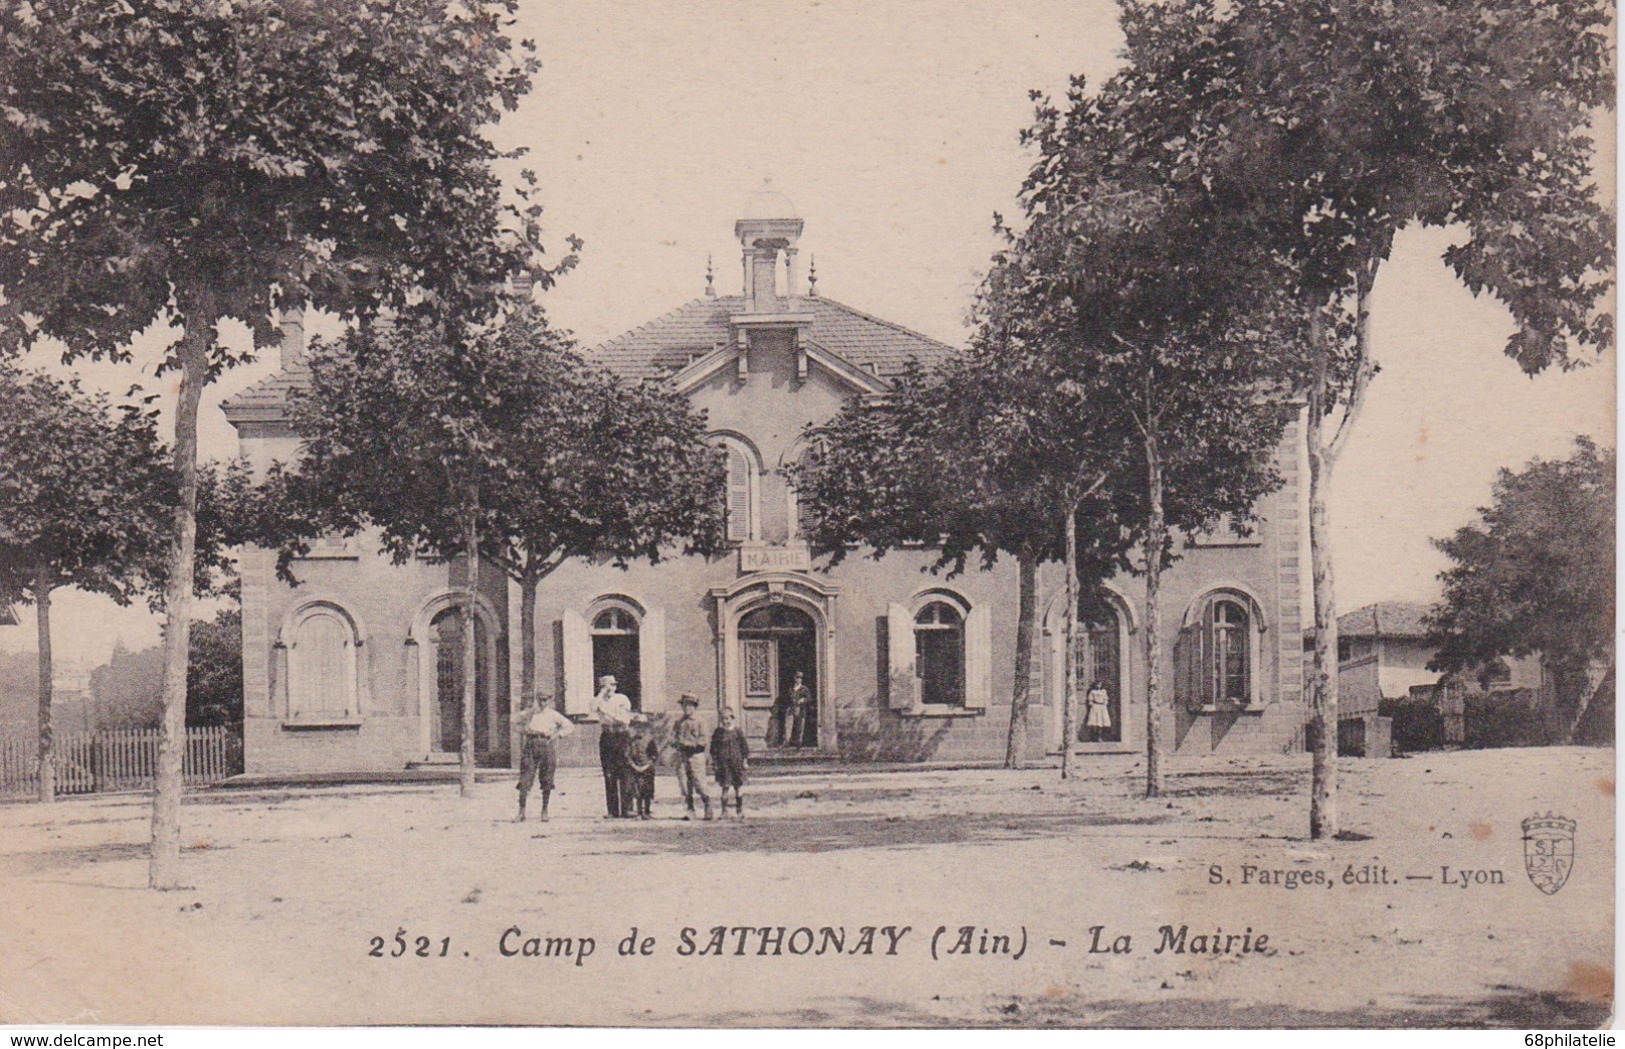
{"x":652,"y":659}
{"x":1187,"y":689}
{"x":978,"y":658}
{"x":1207,"y":659}
{"x":738,"y":495}
{"x":901,"y":685}
{"x":572,"y":664}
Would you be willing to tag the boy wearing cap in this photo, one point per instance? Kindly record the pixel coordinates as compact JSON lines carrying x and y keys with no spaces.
{"x":539,"y":725}
{"x":730,"y":757}
{"x":642,"y":755}
{"x":688,"y":739}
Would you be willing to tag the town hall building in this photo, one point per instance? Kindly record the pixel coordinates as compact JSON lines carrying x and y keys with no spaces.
{"x":358,"y":668}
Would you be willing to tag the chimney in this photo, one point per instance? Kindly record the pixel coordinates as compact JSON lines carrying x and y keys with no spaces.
{"x":764,"y":272}
{"x":293,"y":337}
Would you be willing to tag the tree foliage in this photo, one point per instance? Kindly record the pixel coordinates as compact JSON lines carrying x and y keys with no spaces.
{"x":1534,"y":575}
{"x":214,"y":674}
{"x":179,"y":162}
{"x":965,"y":459}
{"x":972,"y":462}
{"x":1306,"y":134}
{"x":199,"y":159}
{"x":570,"y":461}
{"x":414,"y":432}
{"x":86,"y":491}
{"x":1119,"y":289}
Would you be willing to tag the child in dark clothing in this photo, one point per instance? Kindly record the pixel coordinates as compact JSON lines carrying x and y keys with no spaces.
{"x":642,"y":755}
{"x":730,"y":757}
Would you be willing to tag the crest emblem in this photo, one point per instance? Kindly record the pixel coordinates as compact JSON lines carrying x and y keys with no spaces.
{"x":1548,"y":851}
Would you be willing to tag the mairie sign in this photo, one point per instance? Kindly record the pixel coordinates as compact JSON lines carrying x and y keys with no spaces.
{"x":794,"y":557}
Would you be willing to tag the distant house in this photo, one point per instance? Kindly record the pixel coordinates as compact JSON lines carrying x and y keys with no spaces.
{"x":8,"y":615}
{"x":1383,"y":653}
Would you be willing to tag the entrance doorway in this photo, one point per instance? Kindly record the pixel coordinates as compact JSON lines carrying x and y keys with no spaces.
{"x":1100,"y":663}
{"x":778,"y":647}
{"x":447,"y":729}
{"x":615,"y":653}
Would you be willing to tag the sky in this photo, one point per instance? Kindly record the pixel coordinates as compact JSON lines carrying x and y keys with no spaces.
{"x":894,"y":129}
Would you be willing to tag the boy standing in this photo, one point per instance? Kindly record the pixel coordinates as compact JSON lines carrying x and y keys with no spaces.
{"x":642,"y":755}
{"x":730,"y":756}
{"x":688,"y":739}
{"x":539,"y":725}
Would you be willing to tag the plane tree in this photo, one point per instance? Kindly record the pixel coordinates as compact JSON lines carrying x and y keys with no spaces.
{"x":169,"y":165}
{"x":87,"y":501}
{"x":968,"y":460}
{"x":1314,"y":131}
{"x":495,"y":444}
{"x":1184,"y":393}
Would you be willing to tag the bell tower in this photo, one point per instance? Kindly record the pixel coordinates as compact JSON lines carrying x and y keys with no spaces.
{"x":769,"y":227}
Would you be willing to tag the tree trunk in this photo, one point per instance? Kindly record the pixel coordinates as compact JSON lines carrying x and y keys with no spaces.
{"x":1015,"y":748}
{"x":1156,"y":540}
{"x":527,"y":643}
{"x":471,"y":651}
{"x":1069,"y":723}
{"x":1585,"y":682}
{"x":47,"y":735}
{"x":1323,"y":672}
{"x":164,"y":867}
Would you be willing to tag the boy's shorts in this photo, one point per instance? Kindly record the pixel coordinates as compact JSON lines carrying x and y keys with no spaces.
{"x":538,"y":759}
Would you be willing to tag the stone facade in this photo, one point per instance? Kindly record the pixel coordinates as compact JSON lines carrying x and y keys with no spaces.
{"x":354,"y":668}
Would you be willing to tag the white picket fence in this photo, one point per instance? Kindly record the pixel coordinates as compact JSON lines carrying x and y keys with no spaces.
{"x":89,"y":762}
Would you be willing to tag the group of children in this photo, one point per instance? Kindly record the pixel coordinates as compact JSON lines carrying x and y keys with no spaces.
{"x":629,"y":753}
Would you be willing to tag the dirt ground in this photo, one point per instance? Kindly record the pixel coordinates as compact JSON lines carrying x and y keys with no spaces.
{"x":1016,"y":868}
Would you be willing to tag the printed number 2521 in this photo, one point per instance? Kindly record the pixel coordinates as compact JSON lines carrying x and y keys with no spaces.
{"x":400,"y":946}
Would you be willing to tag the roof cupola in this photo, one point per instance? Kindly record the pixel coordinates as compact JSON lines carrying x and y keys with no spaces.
{"x":768,"y":227}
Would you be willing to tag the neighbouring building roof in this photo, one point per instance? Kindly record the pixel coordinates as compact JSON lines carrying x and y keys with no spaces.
{"x":268,"y":396}
{"x":1393,"y":619}
{"x":8,"y":615}
{"x":668,"y":343}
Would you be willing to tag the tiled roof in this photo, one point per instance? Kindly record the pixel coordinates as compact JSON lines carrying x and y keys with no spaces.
{"x":1385,"y":619}
{"x":668,"y":343}
{"x":694,"y":329}
{"x":269,"y":394}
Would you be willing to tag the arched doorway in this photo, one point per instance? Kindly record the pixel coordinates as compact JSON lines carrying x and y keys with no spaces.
{"x":1099,"y":662}
{"x":1106,"y":652}
{"x":615,"y":652}
{"x":778,"y":647}
{"x":800,"y":637}
{"x":446,"y":726}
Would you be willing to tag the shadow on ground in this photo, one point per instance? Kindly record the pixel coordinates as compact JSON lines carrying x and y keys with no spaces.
{"x":831,"y":833}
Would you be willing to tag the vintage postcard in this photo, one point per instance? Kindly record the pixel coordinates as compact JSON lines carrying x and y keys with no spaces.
{"x":814,"y":670}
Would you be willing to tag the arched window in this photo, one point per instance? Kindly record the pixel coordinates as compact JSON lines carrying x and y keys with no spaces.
{"x":740,"y":511}
{"x":448,"y":638}
{"x":322,"y":665}
{"x":803,"y":455}
{"x":1229,"y":663}
{"x":1218,"y":653}
{"x":939,"y":654}
{"x":615,"y":651}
